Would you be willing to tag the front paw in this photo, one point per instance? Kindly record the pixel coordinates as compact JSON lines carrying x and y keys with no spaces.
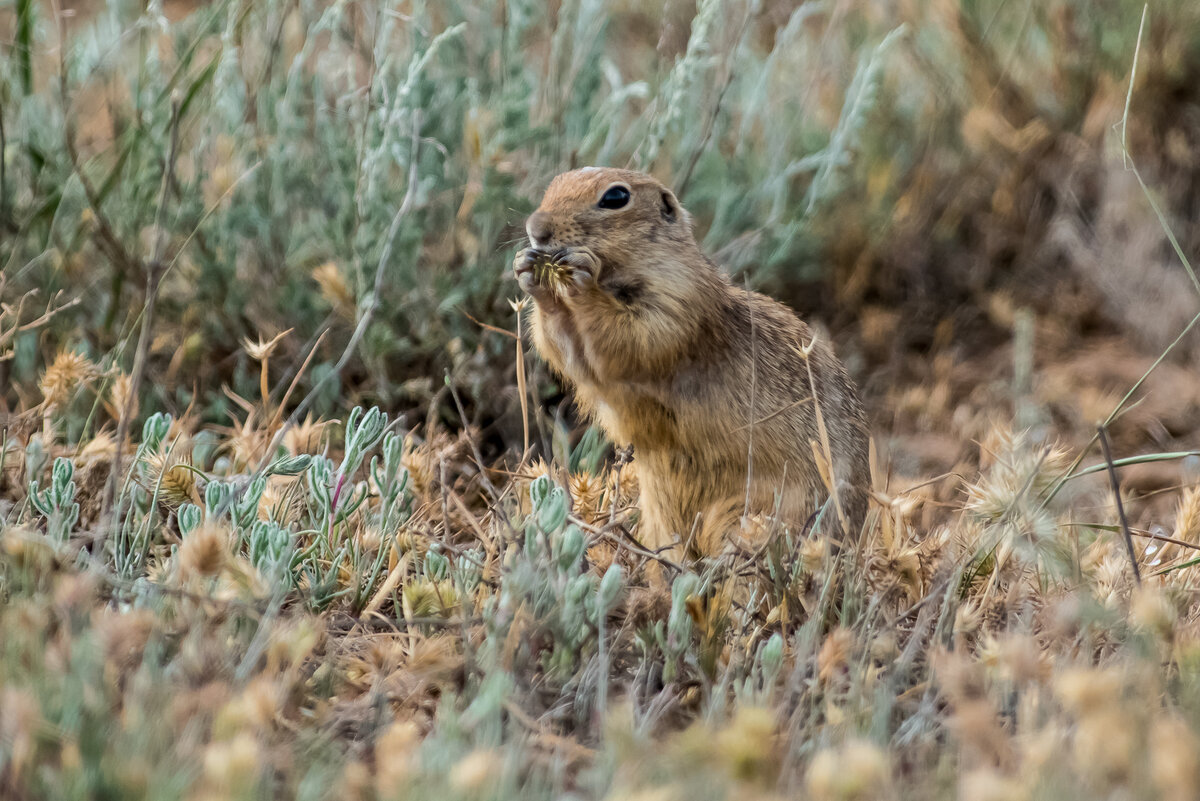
{"x":576,"y":274}
{"x":526,"y":267}
{"x":556,"y":276}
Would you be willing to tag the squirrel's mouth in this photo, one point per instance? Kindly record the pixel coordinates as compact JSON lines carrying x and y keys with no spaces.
{"x":558,"y":261}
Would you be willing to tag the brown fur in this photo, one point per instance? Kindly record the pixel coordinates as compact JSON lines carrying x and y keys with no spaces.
{"x":707,"y":381}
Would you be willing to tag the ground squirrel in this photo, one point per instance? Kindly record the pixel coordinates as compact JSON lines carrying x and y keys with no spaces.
{"x":709,"y":383}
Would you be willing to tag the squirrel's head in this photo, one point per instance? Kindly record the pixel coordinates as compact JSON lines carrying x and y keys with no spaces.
{"x":617,"y":219}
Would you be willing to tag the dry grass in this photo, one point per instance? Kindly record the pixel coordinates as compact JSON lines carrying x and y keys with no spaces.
{"x":366,"y":619}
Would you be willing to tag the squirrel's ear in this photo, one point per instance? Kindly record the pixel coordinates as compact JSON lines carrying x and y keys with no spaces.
{"x":671,"y":210}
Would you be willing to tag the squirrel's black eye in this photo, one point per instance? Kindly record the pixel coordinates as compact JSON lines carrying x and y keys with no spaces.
{"x":615,"y":197}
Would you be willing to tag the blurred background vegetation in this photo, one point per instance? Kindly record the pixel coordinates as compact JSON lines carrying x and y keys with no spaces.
{"x":906,"y":173}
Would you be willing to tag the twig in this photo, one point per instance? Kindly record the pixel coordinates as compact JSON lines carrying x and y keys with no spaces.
{"x":1137,"y":532}
{"x":714,"y":110}
{"x":1112,"y":477}
{"x":823,"y":433}
{"x":154,"y":273}
{"x":462,"y":415}
{"x":522,"y":385}
{"x":368,"y":314}
{"x":106,"y":237}
{"x":492,"y":328}
{"x":774,"y":414}
{"x":17,"y":325}
{"x":3,"y":175}
{"x":753,"y":408}
{"x":1070,"y":473}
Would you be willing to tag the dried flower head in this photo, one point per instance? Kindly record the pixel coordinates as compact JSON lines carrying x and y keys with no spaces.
{"x":260,"y":350}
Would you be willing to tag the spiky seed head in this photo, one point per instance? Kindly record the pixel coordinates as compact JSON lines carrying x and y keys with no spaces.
{"x":119,"y":396}
{"x":305,"y":437}
{"x":204,"y":551}
{"x":173,"y":478}
{"x":587,"y":495}
{"x":332,"y":285}
{"x":98,"y":449}
{"x":1174,"y":759}
{"x":1151,"y":609}
{"x":1187,"y":520}
{"x":66,"y":373}
{"x":747,"y":745}
{"x":425,"y":598}
{"x":232,"y":766}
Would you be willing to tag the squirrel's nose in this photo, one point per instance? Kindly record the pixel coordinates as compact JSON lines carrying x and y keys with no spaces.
{"x":539,"y":229}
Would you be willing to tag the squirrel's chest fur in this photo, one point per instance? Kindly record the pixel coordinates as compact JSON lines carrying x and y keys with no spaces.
{"x":668,"y":406}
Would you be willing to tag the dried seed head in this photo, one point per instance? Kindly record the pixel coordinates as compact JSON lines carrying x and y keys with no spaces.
{"x":99,"y":448}
{"x":20,"y":722}
{"x":418,"y":461}
{"x":1187,"y":521}
{"x":856,"y":771}
{"x":204,"y":551}
{"x":260,"y":349}
{"x":587,"y":495}
{"x":1084,"y":691}
{"x":368,"y":538}
{"x":1152,"y":610}
{"x":476,"y":771}
{"x":747,"y":744}
{"x":1106,"y":746}
{"x":173,"y":478}
{"x":1174,"y":759}
{"x":305,"y":437}
{"x":550,"y":273}
{"x":119,"y":395}
{"x":66,"y":373}
{"x":834,"y":658}
{"x":395,"y":757}
{"x":333,"y":288}
{"x":987,"y":784}
{"x":232,"y":766}
{"x":425,"y":598}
